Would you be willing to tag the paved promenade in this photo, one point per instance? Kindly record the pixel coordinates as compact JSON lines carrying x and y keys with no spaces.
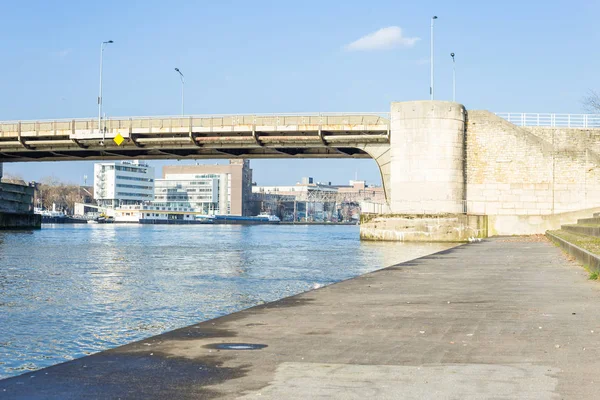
{"x":507,"y":318}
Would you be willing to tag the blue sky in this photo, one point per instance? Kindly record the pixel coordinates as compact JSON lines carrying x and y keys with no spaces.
{"x":281,"y":56}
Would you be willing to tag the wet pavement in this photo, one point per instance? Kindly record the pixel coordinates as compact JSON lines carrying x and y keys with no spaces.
{"x":505,"y":318}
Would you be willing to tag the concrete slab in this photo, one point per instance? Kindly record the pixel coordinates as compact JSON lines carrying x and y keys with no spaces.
{"x":451,"y":381}
{"x":505,"y":318}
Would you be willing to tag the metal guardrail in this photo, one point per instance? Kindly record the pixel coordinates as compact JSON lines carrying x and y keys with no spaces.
{"x":204,"y":121}
{"x":235,"y":117}
{"x":552,"y":120}
{"x":519,"y":119}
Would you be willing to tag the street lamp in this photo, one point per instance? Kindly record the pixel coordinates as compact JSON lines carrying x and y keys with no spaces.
{"x":102,"y":46}
{"x":182,"y":85}
{"x":453,"y":77}
{"x":431,"y":86}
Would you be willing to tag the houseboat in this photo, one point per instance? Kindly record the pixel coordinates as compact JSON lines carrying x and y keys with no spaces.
{"x":147,"y":214}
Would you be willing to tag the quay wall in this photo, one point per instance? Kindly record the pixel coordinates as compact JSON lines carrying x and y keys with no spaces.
{"x":528,"y":179}
{"x":423,"y":228}
{"x":20,"y":221}
{"x":16,"y":198}
{"x":16,"y":207}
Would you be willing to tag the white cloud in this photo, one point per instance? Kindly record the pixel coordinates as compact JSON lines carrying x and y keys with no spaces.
{"x":383,"y":39}
{"x":63,"y":53}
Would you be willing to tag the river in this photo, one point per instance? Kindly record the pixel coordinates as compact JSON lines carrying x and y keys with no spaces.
{"x":67,"y":291}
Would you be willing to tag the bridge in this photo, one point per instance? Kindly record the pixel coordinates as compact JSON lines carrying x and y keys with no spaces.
{"x":223,"y":136}
{"x":464,"y":172}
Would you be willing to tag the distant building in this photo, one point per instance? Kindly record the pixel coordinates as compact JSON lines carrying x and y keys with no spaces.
{"x":210,"y":189}
{"x":124,"y":183}
{"x":315,"y":201}
{"x":301,"y":190}
{"x":359,"y":191}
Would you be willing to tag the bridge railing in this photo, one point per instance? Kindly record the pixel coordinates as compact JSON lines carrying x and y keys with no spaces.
{"x":552,"y":120}
{"x":220,"y":120}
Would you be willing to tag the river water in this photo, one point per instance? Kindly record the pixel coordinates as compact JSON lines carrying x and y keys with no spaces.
{"x":71,"y":290}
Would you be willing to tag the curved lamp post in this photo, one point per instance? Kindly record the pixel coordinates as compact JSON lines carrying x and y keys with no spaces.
{"x":182,"y":89}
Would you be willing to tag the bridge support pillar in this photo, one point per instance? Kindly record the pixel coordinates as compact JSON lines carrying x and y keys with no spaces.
{"x":427,"y":157}
{"x":427,"y":177}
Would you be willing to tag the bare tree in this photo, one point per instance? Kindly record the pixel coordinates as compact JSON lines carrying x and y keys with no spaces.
{"x":591,"y":102}
{"x":52,"y":192}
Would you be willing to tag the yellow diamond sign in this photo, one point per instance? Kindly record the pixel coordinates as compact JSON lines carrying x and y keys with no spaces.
{"x":119,"y":139}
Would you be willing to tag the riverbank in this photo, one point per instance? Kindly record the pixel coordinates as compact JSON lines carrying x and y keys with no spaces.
{"x":504,"y":318}
{"x":118,"y":283}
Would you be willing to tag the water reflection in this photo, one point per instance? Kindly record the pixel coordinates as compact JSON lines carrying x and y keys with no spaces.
{"x":69,"y":291}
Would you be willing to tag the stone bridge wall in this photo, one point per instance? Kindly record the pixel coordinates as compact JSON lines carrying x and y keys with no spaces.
{"x":16,"y":198}
{"x":520,"y":175}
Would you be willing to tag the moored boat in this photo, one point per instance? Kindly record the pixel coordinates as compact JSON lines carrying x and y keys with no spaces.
{"x":236,"y":219}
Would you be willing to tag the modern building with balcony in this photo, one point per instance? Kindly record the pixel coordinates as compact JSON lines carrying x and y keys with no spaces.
{"x":209,"y":189}
{"x":124,"y":183}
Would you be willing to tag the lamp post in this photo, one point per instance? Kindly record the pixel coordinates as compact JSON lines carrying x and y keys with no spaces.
{"x":431,"y":85}
{"x":453,"y":77}
{"x":102,"y":46}
{"x":182,"y":89}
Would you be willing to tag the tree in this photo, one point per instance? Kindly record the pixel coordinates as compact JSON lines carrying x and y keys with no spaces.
{"x":591,"y":102}
{"x":52,"y":192}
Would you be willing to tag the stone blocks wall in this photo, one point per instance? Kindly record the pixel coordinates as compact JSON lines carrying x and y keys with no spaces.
{"x":446,"y":162}
{"x":427,"y":156}
{"x":423,"y":228}
{"x":518,"y":171}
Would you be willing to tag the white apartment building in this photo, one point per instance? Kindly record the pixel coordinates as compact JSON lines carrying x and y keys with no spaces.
{"x":199,"y":192}
{"x":207,"y":189}
{"x":124,"y":183}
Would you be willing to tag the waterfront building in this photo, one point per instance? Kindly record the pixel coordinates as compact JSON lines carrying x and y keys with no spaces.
{"x":301,"y":190}
{"x":209,"y":189}
{"x":308,"y":200}
{"x":359,"y":191}
{"x":123,"y":183}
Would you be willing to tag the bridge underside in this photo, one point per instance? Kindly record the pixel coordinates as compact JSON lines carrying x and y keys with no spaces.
{"x":118,"y":153}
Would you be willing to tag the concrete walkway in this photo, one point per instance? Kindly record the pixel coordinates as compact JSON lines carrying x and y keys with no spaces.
{"x":504,"y":319}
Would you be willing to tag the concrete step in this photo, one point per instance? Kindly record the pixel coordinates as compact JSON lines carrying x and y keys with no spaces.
{"x":580,"y":247}
{"x":594,"y":221}
{"x":583,"y":230}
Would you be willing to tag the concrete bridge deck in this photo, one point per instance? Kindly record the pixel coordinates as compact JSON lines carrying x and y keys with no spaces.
{"x":255,"y":136}
{"x":508,"y":318}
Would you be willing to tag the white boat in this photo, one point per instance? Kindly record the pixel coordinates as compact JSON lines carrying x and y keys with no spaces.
{"x":101,"y":220}
{"x":270,"y":217}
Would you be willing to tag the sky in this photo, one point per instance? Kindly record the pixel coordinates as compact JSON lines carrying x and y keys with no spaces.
{"x":281,"y":56}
